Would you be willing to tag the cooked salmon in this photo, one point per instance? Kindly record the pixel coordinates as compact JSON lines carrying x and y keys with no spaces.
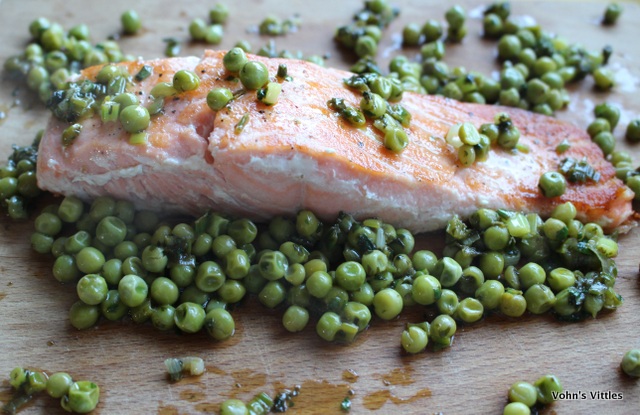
{"x":300,"y":154}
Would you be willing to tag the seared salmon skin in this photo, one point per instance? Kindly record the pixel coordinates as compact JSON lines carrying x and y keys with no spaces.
{"x":300,"y":154}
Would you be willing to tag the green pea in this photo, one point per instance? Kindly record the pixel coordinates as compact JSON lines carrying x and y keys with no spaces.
{"x":555,"y":229}
{"x":90,"y":260}
{"x":632,"y":134}
{"x":448,"y":272}
{"x":222,"y":245}
{"x":366,"y":46}
{"x":442,"y":329}
{"x":27,"y":184}
{"x":513,"y":303}
{"x":254,"y":75}
{"x":414,"y":339}
{"x":219,"y":324}
{"x":411,"y":34}
{"x":272,"y":294}
{"x":134,"y":118}
{"x":448,"y":302}
{"x":630,"y":363}
{"x":350,"y":275}
{"x":364,"y":295}
{"x":48,"y":224}
{"x":131,"y":22}
{"x":295,"y":318}
{"x":328,"y":325}
{"x":232,"y":291}
{"x":143,"y":312}
{"x":233,"y":407}
{"x":530,"y":274}
{"x":185,"y":80}
{"x":469,"y":310}
{"x":387,"y":303}
{"x":58,"y":384}
{"x":537,"y":91}
{"x":234,"y":60}
{"x":539,"y":298}
{"x":523,"y":392}
{"x":112,"y":308}
{"x":560,"y":279}
{"x":496,"y":238}
{"x":509,"y":97}
{"x":18,"y":377}
{"x":41,"y":243}
{"x":154,"y":259}
{"x":243,"y":231}
{"x":92,"y":289}
{"x":472,"y":278}
{"x":189,"y":317}
{"x":219,"y":13}
{"x":82,"y":397}
{"x":209,"y":276}
{"x":606,"y":141}
{"x":609,"y":112}
{"x":490,"y":294}
{"x":164,"y":291}
{"x":552,"y":184}
{"x":198,"y":29}
{"x":82,"y":315}
{"x":516,"y":408}
{"x":8,"y":187}
{"x":509,"y":47}
{"x":567,"y":302}
{"x":36,"y":382}
{"x":319,"y":283}
{"x":133,"y":290}
{"x":273,"y":265}
{"x":548,"y":386}
{"x":65,"y":269}
{"x":163,"y":317}
{"x":432,"y":30}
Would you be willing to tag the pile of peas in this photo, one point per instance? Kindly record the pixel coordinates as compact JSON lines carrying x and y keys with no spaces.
{"x":53,"y":55}
{"x":474,"y":144}
{"x":111,"y":96}
{"x":523,"y":396}
{"x":536,"y":64}
{"x":18,"y":183}
{"x":253,"y":75}
{"x":568,"y":266}
{"x":363,"y":35}
{"x":601,"y":131}
{"x":75,"y":396}
{"x":211,"y":33}
{"x":274,"y":26}
{"x":127,"y":262}
{"x":379,"y":103}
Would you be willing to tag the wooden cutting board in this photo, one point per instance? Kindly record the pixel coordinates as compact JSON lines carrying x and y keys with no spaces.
{"x":472,"y":377}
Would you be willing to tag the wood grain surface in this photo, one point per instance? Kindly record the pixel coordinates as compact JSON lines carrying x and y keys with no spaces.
{"x":472,"y":377}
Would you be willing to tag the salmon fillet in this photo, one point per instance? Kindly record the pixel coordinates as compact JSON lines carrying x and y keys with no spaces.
{"x":300,"y":154}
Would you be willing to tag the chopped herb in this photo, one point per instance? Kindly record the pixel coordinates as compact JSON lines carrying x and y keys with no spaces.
{"x":349,"y":113}
{"x":138,"y":138}
{"x":345,"y":405}
{"x":173,"y":47}
{"x":242,"y":123}
{"x":270,"y":93}
{"x":578,"y":171}
{"x":282,"y":70}
{"x":144,"y":73}
{"x":70,"y":134}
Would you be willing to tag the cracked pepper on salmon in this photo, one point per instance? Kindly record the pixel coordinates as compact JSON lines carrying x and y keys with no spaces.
{"x":300,"y":154}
